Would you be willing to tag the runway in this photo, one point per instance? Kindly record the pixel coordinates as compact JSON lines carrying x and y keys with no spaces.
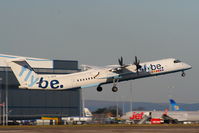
{"x":102,"y":129}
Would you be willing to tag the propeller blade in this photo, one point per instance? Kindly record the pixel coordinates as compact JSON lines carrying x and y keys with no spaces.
{"x":137,"y":64}
{"x":120,"y":60}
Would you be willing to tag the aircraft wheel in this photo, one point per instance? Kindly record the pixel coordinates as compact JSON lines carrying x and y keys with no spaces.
{"x":183,"y":74}
{"x":99,"y":88}
{"x":114,"y":89}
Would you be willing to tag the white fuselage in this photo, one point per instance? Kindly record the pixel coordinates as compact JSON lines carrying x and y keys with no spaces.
{"x":96,"y":77}
{"x":179,"y":115}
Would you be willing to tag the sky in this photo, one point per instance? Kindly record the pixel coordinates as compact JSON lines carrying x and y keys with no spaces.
{"x":98,"y":32}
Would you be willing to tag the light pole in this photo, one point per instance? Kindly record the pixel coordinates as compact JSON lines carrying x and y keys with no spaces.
{"x":1,"y":100}
{"x":170,"y":95}
{"x":122,"y":100}
{"x":6,"y":100}
{"x":83,"y":102}
{"x":116,"y":107}
{"x":131,"y":92}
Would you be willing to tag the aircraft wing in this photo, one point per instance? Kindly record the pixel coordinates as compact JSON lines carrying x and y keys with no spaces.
{"x":112,"y":76}
{"x":116,"y":68}
{"x":88,"y":67}
{"x":116,"y":75}
{"x":116,"y":71}
{"x":112,"y":68}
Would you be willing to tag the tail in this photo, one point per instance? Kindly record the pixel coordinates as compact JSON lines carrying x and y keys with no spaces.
{"x":87,"y":112}
{"x":175,"y":106}
{"x":25,"y":75}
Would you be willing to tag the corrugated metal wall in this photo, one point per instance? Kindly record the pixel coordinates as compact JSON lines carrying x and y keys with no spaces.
{"x":37,"y":103}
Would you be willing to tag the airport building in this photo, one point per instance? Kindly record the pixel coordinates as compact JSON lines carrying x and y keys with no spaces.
{"x":33,"y":104}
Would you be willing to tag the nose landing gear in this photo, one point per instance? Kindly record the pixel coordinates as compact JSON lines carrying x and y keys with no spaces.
{"x":183,"y":74}
{"x":114,"y":88}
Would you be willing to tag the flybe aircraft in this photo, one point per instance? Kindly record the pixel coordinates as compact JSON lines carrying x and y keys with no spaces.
{"x":94,"y":76}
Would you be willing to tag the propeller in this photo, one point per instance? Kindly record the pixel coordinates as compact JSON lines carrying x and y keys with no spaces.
{"x":120,"y":60}
{"x":137,"y":64}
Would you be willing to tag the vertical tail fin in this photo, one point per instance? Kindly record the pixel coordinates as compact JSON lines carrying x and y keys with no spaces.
{"x":24,"y":73}
{"x":175,"y":106}
{"x":87,"y":112}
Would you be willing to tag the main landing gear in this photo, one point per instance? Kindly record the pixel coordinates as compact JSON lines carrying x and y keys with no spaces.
{"x":114,"y":88}
{"x":99,"y":89}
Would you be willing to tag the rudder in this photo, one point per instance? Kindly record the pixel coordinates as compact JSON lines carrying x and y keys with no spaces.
{"x":174,"y":105}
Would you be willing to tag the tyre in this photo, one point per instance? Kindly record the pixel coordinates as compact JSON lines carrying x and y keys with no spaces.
{"x":99,"y":88}
{"x":114,"y":89}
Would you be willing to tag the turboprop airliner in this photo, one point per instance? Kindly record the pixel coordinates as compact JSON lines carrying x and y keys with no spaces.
{"x":94,"y":76}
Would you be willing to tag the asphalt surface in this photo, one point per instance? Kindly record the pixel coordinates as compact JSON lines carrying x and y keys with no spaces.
{"x":100,"y":129}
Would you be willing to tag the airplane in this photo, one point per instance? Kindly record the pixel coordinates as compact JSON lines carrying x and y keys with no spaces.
{"x":176,"y":113}
{"x":87,"y":118}
{"x":93,"y":76}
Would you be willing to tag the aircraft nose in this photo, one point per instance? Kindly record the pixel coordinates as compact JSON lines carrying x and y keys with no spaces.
{"x":187,"y":66}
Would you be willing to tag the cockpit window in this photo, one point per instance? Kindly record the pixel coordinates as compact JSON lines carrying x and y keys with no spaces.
{"x":176,"y":61}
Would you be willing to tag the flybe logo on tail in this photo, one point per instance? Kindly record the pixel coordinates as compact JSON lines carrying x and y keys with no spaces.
{"x":31,"y":79}
{"x":30,"y":76}
{"x":152,"y":68}
{"x":54,"y":84}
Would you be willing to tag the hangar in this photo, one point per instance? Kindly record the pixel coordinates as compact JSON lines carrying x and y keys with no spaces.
{"x":32,"y":104}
